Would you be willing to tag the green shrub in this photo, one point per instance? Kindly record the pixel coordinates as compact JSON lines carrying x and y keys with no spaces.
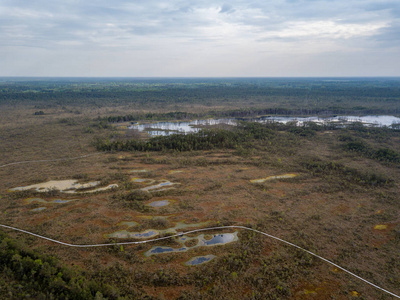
{"x":343,"y":173}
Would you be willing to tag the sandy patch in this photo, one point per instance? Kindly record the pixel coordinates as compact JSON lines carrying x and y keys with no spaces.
{"x":284,"y":176}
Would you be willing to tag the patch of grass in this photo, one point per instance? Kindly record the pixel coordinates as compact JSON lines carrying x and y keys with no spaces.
{"x":133,"y":200}
{"x":156,"y":223}
{"x":343,"y":173}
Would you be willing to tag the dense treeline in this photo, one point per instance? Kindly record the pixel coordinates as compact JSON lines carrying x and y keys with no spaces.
{"x":176,"y":115}
{"x":202,"y":140}
{"x":28,"y":274}
{"x":241,"y":113}
{"x":346,"y":174}
{"x":281,"y":96}
{"x":245,"y":135}
{"x":245,"y":132}
{"x":381,"y":154}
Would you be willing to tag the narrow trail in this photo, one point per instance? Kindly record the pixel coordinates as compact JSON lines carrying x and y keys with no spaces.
{"x":205,"y":229}
{"x":48,"y":160}
{"x":178,"y":234}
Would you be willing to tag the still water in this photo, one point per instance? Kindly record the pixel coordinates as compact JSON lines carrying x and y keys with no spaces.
{"x":159,"y":203}
{"x":167,"y":128}
{"x":217,"y":239}
{"x":199,"y":260}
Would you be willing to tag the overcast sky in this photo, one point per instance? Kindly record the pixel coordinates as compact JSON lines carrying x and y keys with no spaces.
{"x":207,"y":38}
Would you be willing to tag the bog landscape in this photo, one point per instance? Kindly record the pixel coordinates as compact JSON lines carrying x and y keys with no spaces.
{"x":313,"y":161}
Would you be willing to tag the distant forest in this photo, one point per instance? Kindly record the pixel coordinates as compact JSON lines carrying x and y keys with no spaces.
{"x":300,"y":96}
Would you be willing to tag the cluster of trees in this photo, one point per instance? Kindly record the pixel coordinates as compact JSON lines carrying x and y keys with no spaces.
{"x":202,"y":140}
{"x":208,"y":139}
{"x":345,"y":174}
{"x":283,"y":96}
{"x":133,"y":199}
{"x":28,"y":274}
{"x":176,"y":115}
{"x":381,"y":154}
{"x":241,"y":114}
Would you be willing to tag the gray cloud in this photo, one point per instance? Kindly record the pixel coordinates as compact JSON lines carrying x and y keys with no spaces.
{"x":226,"y":8}
{"x":180,"y":33}
{"x":389,"y":36}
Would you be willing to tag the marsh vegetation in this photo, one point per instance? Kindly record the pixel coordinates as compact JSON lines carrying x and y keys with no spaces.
{"x":330,"y":189}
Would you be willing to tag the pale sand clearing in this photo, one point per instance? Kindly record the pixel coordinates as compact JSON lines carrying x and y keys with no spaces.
{"x":70,"y":186}
{"x":284,"y":176}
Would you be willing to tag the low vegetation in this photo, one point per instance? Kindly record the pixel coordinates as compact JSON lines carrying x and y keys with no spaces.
{"x":342,"y":203}
{"x":382,"y":154}
{"x":27,"y":274}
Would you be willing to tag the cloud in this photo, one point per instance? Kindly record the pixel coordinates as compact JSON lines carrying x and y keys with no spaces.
{"x":176,"y":33}
{"x":226,"y":8}
{"x":389,"y":36}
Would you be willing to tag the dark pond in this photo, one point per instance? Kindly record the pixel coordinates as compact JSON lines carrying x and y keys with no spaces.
{"x":199,"y":260}
{"x":159,"y":203}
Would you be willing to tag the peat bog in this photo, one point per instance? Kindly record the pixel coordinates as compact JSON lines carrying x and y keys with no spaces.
{"x":328,"y":188}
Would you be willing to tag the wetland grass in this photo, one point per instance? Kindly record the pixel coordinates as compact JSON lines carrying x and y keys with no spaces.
{"x":330,"y":207}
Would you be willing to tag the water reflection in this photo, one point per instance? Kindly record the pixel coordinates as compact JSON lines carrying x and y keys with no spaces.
{"x":38,"y":209}
{"x":61,"y":201}
{"x":145,"y":234}
{"x":217,"y":239}
{"x":163,"y":249}
{"x":199,"y":260}
{"x":159,"y":187}
{"x":168,"y":128}
{"x":160,"y":203}
{"x":367,"y":120}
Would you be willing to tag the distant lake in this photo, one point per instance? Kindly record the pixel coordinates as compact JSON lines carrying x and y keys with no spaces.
{"x":368,"y":120}
{"x":167,"y":128}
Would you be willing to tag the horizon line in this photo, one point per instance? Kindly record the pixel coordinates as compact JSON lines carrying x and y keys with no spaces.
{"x":193,"y":77}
